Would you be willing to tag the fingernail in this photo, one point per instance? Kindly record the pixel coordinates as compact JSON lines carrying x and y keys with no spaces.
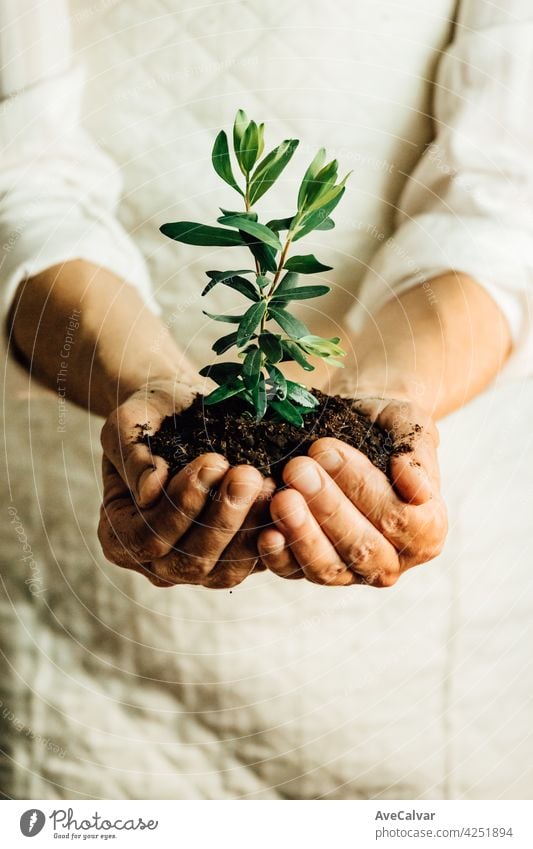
{"x":425,"y":480}
{"x":331,"y":460}
{"x":208,"y":476}
{"x":240,"y":492}
{"x":272,"y":547}
{"x":295,"y":517}
{"x":142,"y":483}
{"x":307,"y":480}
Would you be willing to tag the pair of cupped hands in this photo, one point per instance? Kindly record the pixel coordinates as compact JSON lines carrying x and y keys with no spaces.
{"x":338,"y":521}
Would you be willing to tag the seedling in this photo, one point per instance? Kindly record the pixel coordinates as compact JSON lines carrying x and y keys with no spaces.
{"x":274,"y":282}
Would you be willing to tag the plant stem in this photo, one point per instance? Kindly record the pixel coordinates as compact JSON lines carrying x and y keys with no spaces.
{"x":282,"y":259}
{"x":247,"y":192}
{"x":273,"y":285}
{"x":248,"y":207}
{"x":263,"y":320}
{"x":281,"y":263}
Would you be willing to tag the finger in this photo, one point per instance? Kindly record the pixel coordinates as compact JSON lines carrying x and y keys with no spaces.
{"x":145,"y":569}
{"x":116,"y":503}
{"x":277,"y":556}
{"x":357,"y":542}
{"x":144,"y":474}
{"x":198,"y":551}
{"x":310,"y":547}
{"x":414,"y":464}
{"x":128,"y":534}
{"x":149,"y":471}
{"x":114,"y":485}
{"x":241,"y":556}
{"x":116,"y":493}
{"x":415,"y":531}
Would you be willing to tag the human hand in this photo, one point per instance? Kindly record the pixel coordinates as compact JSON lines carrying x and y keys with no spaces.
{"x":341,"y":521}
{"x":199,"y":527}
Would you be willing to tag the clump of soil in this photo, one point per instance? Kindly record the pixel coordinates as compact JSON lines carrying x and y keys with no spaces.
{"x":225,"y":429}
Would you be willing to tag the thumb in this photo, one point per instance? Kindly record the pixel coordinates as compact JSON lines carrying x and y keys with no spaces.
{"x":144,"y":474}
{"x":414,"y":464}
{"x":410,"y":479}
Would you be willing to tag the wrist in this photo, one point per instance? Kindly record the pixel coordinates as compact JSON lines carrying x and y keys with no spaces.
{"x":170,"y":376}
{"x":382,"y":383}
{"x":175,"y":382}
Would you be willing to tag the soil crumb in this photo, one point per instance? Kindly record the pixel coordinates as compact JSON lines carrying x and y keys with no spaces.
{"x":267,"y":445}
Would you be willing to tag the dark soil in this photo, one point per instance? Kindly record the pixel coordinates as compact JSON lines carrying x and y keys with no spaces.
{"x":267,"y":445}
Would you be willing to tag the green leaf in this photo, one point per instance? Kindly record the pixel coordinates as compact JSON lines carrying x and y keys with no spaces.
{"x":262,"y":281}
{"x":249,"y":147}
{"x":328,"y":173}
{"x":302,"y":293}
{"x":321,"y":347}
{"x":229,"y":319}
{"x":222,"y":163}
{"x":322,"y":182}
{"x":223,"y":392}
{"x":327,"y":224}
{"x":278,"y":224}
{"x":242,"y":353}
{"x":300,"y":395}
{"x":270,"y":168}
{"x":253,"y":228}
{"x":288,"y":412}
{"x":252,"y":317}
{"x":288,"y":281}
{"x":293,"y":352}
{"x":252,"y":216}
{"x":191,"y":233}
{"x":270,"y":344}
{"x":264,"y":254}
{"x":309,"y":221}
{"x":259,"y":398}
{"x":280,"y":383}
{"x":221,"y":372}
{"x":307,"y":264}
{"x":224,"y":343}
{"x":261,"y":137}
{"x":240,"y":284}
{"x":239,"y":126}
{"x":251,"y":367}
{"x":219,"y":276}
{"x":327,"y":196}
{"x":291,"y":325}
{"x":310,"y":175}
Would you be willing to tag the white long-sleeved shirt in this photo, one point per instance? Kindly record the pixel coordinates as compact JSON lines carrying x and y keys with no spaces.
{"x":281,"y":690}
{"x":58,"y":191}
{"x":467,"y":206}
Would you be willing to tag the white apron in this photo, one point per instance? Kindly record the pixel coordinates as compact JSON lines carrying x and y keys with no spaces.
{"x":110,"y":688}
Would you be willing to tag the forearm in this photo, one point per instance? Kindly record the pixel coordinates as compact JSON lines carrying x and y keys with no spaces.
{"x":438,"y":344}
{"x":118,"y":346}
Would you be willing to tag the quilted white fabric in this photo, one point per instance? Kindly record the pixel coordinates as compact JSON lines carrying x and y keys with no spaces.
{"x":111,"y":688}
{"x":176,"y":77}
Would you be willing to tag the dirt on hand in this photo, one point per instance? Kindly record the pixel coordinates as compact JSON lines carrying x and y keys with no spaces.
{"x":226,"y":429}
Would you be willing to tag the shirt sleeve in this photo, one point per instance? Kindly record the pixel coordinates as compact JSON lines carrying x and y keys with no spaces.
{"x":468,"y":205}
{"x":58,"y":191}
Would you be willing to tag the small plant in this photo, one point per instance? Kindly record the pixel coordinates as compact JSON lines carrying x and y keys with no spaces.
{"x":274,"y":282}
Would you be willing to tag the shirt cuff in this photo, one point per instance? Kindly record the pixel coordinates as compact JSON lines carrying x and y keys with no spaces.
{"x":433,"y":244}
{"x":58,"y":192}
